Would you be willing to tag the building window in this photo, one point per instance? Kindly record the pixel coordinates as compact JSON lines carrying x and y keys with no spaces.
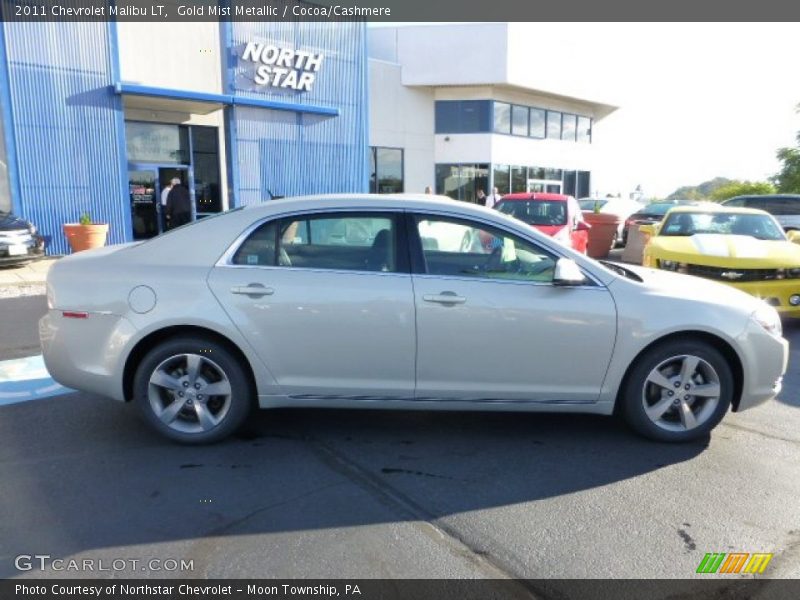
{"x":463,"y":116}
{"x":552,"y":174}
{"x":157,"y":142}
{"x":585,"y":130}
{"x":205,"y":162}
{"x":519,"y":179}
{"x":462,"y":182}
{"x":386,"y":176}
{"x":502,"y":117}
{"x":568,"y":127}
{"x":502,"y":180}
{"x":553,"y":125}
{"x":537,"y":129}
{"x":519,"y":120}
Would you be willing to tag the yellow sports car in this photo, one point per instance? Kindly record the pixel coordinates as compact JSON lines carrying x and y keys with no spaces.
{"x":742,"y":247}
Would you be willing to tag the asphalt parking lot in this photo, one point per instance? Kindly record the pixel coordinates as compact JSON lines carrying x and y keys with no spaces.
{"x":368,"y":494}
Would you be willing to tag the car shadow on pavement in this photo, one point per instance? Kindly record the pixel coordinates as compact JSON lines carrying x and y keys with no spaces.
{"x":791,"y":331}
{"x":81,"y":473}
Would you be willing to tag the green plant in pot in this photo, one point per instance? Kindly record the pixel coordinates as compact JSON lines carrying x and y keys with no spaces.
{"x":85,"y":234}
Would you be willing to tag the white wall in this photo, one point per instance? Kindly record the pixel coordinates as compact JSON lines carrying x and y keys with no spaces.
{"x":402,"y":117}
{"x":183,"y":56}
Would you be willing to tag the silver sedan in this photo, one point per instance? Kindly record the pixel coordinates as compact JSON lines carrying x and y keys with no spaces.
{"x":355,"y":301}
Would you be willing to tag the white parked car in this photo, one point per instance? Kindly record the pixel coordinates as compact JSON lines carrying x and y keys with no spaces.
{"x":335,"y":301}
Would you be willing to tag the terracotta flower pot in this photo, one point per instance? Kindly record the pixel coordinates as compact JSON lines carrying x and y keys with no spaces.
{"x":603,"y":233}
{"x":85,"y":237}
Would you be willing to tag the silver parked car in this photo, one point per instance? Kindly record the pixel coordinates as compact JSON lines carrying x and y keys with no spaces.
{"x":784,"y":207}
{"x":335,"y":301}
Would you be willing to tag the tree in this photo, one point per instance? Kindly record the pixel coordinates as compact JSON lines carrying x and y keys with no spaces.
{"x":741,"y":188}
{"x":787,"y":180}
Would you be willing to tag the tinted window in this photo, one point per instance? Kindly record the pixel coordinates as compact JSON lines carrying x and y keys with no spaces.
{"x":553,"y":125}
{"x":584,"y":129}
{"x":780,"y":206}
{"x":463,"y":116}
{"x":259,"y":248}
{"x":536,"y":212}
{"x":352,"y":242}
{"x":537,"y":123}
{"x":519,"y":120}
{"x":568,"y":127}
{"x":460,"y":248}
{"x":502,"y":117}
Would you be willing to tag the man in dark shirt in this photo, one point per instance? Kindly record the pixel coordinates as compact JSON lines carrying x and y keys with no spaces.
{"x":179,"y":206}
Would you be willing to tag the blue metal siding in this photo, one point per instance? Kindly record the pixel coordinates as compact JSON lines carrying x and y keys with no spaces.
{"x":288,"y":153}
{"x":66,"y":127}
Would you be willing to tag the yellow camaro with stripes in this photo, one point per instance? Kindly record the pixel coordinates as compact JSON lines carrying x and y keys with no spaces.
{"x":743,"y":247}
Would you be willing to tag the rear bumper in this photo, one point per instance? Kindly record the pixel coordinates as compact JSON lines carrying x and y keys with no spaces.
{"x":86,"y":354}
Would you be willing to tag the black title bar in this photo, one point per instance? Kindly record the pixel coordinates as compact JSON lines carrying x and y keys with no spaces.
{"x":388,"y":11}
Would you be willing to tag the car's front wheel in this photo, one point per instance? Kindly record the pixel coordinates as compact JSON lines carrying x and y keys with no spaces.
{"x":192,"y":390}
{"x":678,"y":391}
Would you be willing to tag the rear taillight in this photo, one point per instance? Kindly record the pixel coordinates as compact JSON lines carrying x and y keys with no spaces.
{"x":72,"y":314}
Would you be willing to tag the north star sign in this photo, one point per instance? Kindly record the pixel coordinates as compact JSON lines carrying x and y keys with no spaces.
{"x":283,"y":67}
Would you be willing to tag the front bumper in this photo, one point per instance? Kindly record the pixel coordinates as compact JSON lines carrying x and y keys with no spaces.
{"x":774,"y":293}
{"x":764,"y":361}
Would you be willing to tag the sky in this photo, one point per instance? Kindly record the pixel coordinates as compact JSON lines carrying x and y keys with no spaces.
{"x":696,"y":100}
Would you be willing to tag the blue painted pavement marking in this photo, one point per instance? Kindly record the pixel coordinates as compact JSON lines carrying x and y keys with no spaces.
{"x":25,"y":379}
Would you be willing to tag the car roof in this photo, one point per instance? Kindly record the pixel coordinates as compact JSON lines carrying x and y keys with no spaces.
{"x":713,"y":207}
{"x":535,"y":196}
{"x":750,"y":196}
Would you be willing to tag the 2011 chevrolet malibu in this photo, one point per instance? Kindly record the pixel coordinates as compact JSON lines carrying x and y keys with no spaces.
{"x":340,"y":301}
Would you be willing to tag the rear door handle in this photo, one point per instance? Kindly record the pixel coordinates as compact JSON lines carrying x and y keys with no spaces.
{"x":445,"y":298}
{"x":254,"y":290}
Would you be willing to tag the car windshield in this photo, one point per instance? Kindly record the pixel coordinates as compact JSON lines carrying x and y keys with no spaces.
{"x":536,"y":212}
{"x":761,"y":227}
{"x":591,"y":203}
{"x":658,"y":208}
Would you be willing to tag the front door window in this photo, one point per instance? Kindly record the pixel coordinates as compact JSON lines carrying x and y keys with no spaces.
{"x":142,"y":190}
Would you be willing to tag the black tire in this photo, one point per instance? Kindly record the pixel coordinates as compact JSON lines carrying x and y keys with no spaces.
{"x":216,"y":366}
{"x":665,"y":357}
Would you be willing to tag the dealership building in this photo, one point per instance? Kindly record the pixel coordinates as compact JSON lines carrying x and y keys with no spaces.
{"x":99,"y":117}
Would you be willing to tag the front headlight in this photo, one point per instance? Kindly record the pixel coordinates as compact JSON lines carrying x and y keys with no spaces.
{"x":769,"y":319}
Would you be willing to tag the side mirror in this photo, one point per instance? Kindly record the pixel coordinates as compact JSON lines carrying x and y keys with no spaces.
{"x":648,"y":229}
{"x":568,"y":272}
{"x":582,"y":226}
{"x":794,"y":236}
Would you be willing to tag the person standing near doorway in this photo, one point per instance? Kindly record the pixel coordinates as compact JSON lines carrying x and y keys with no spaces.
{"x":179,"y":205}
{"x":164,"y":194}
{"x":493,"y":199}
{"x":480,"y":197}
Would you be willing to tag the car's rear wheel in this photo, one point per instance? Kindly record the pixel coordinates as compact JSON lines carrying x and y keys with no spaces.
{"x":192,"y":390}
{"x":678,"y":391}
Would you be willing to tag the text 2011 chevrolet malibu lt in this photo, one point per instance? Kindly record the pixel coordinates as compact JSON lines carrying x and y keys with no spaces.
{"x":359,"y":301}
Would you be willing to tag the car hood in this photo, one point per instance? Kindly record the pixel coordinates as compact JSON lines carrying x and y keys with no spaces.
{"x":727,"y":250}
{"x":689,"y":287}
{"x":9,"y":222}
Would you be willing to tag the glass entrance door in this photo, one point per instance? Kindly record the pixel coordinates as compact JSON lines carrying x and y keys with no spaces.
{"x":551,"y":186}
{"x":143,"y":190}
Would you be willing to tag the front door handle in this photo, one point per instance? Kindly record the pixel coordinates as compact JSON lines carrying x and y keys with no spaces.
{"x":445,"y":298}
{"x":254,"y":290}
